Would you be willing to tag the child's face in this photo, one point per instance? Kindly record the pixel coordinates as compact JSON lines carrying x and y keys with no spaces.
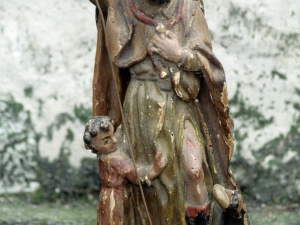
{"x":105,"y":142}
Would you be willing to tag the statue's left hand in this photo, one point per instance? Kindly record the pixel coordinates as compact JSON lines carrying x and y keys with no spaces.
{"x":160,"y":162}
{"x":166,"y":44}
{"x":156,"y":169}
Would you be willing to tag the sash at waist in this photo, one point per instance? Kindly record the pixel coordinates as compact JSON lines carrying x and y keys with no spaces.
{"x":165,"y":84}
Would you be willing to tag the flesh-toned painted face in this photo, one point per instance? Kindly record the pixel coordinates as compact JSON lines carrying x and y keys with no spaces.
{"x":105,"y":142}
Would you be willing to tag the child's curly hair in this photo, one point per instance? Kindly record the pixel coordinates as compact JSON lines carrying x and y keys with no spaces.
{"x":93,"y":126}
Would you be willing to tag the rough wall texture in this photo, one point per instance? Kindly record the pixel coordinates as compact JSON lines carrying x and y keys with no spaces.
{"x":258,"y":43}
{"x":47,"y":53}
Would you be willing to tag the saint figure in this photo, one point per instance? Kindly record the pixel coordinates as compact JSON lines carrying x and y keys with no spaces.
{"x":174,"y":98}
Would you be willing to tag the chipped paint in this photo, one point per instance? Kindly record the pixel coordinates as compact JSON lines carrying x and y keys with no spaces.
{"x":163,"y":74}
{"x":111,"y":207}
{"x":211,"y":96}
{"x":177,"y":78}
{"x":198,"y":189}
{"x":172,"y":137}
{"x":224,"y":98}
{"x":230,"y":143}
{"x":193,"y":157}
{"x":161,"y":114}
{"x":104,"y":196}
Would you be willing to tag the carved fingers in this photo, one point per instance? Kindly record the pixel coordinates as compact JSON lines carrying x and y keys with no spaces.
{"x":146,"y":174}
{"x":160,"y":161}
{"x":166,"y":44}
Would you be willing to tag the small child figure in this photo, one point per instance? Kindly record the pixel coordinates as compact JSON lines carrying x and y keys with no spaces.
{"x":115,"y":169}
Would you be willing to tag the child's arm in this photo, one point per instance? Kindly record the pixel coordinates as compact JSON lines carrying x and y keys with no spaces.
{"x":124,"y":168}
{"x":152,"y":172}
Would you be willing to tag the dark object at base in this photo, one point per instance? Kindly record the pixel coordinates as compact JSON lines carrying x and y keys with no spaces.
{"x":201,"y":219}
{"x":231,"y":215}
{"x":232,"y":204}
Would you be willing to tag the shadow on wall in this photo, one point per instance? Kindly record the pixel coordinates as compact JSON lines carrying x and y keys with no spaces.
{"x":22,"y":164}
{"x":274,"y":176}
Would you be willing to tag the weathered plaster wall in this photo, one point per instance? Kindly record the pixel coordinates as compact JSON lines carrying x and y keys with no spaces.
{"x":258,"y":43}
{"x":47,"y":53}
{"x":46,"y":66}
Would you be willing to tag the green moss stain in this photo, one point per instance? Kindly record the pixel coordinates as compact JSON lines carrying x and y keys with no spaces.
{"x":248,"y":113}
{"x":18,"y":143}
{"x":297,"y":91}
{"x":60,"y":121}
{"x":82,"y":113}
{"x":28,"y":91}
{"x":59,"y":180}
{"x":275,"y":73}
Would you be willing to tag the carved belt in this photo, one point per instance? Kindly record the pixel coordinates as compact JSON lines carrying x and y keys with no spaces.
{"x":165,"y":84}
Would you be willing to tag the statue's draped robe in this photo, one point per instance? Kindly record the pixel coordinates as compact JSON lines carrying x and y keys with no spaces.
{"x":156,"y":112}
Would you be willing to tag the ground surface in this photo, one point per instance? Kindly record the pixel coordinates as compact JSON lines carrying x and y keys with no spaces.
{"x":16,"y":211}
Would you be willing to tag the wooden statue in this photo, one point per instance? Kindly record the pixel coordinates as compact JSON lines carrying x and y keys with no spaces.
{"x":115,"y":169}
{"x":155,"y":57}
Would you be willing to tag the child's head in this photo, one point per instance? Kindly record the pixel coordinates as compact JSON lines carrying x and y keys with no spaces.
{"x":99,"y":135}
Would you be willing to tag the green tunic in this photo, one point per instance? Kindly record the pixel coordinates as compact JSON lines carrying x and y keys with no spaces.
{"x":156,"y":122}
